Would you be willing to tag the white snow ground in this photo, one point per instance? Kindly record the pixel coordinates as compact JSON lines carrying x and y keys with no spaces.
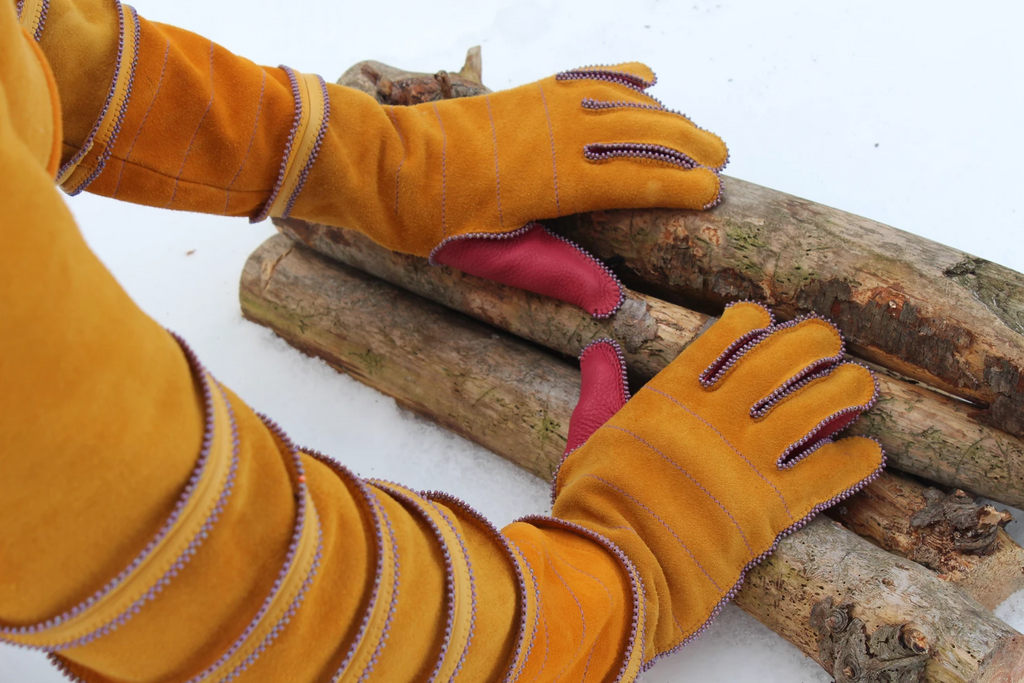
{"x":909,"y":113}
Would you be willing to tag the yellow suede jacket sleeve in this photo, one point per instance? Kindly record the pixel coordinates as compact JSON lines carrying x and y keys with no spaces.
{"x":160,"y":116}
{"x":155,"y":527}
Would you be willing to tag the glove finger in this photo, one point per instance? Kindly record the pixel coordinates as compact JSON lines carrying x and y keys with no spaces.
{"x":603,"y":390}
{"x":741,"y":322}
{"x":636,"y":76}
{"x":834,"y":471}
{"x":635,"y":178}
{"x":630,"y":125}
{"x":533,"y":259}
{"x":789,"y":428}
{"x":771,"y":364}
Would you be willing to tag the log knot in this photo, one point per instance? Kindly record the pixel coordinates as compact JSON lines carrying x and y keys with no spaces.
{"x":893,"y":653}
{"x":973,"y":526}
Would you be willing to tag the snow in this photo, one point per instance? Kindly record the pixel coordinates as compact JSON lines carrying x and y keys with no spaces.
{"x":908,"y":113}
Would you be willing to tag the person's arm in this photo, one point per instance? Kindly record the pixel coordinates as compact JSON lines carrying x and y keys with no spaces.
{"x":155,"y":528}
{"x":160,"y":116}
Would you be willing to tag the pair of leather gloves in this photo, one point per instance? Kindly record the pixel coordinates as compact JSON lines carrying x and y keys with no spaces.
{"x":127,"y":558}
{"x":727,"y":450}
{"x":723,"y":453}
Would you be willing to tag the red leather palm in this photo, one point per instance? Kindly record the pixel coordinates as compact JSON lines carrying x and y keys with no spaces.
{"x":533,"y":259}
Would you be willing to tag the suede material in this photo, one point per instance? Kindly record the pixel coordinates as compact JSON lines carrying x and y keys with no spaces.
{"x":102,"y":419}
{"x":414,"y":640}
{"x":84,"y":371}
{"x":238,"y":564}
{"x":685,"y":480}
{"x":496,"y":627}
{"x":79,"y":38}
{"x":584,"y":603}
{"x":29,"y":105}
{"x":203,"y":130}
{"x":494,"y":163}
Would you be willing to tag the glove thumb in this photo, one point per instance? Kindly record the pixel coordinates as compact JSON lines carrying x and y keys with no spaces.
{"x":603,"y":390}
{"x":533,"y":259}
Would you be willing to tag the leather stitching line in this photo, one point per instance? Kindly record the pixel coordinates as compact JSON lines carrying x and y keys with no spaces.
{"x":195,"y":134}
{"x":727,"y":443}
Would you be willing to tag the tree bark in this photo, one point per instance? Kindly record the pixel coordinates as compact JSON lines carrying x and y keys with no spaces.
{"x":923,"y":432}
{"x":959,"y":539}
{"x":516,"y":399}
{"x":923,"y":309}
{"x":920,"y":308}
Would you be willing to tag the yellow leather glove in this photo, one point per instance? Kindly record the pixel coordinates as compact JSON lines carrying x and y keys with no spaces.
{"x":463,"y":180}
{"x":724,"y":452}
{"x":587,"y":139}
{"x":160,"y":116}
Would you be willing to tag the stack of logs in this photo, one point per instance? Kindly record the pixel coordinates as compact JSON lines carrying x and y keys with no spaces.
{"x":896,"y":583}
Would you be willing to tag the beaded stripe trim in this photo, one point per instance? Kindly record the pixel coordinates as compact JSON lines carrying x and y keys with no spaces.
{"x":35,"y":19}
{"x":472,"y":591}
{"x":637,"y":592}
{"x":289,"y":143}
{"x":67,"y":169}
{"x":38,"y":34}
{"x":639,"y":85}
{"x":451,"y":501}
{"x":605,"y":270}
{"x":382,"y":641}
{"x":198,"y":473}
{"x":771,"y":316}
{"x":718,"y":367}
{"x":601,"y":105}
{"x":822,"y":433}
{"x":601,"y":72}
{"x":846,"y":493}
{"x":750,"y":340}
{"x":624,"y":396}
{"x":314,"y":151}
{"x":521,"y":557}
{"x":605,"y":105}
{"x":305,"y":522}
{"x":379,"y":519}
{"x":814,"y":370}
{"x":409,"y":499}
{"x":108,"y":144}
{"x":64,"y":668}
{"x":631,"y":81}
{"x":599,"y":151}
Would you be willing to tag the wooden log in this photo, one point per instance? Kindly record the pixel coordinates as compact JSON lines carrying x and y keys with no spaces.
{"x":516,"y":399}
{"x":923,"y":309}
{"x":882,"y":513}
{"x":951,"y":534}
{"x":435,"y":363}
{"x":920,"y":308}
{"x":924,"y":432}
